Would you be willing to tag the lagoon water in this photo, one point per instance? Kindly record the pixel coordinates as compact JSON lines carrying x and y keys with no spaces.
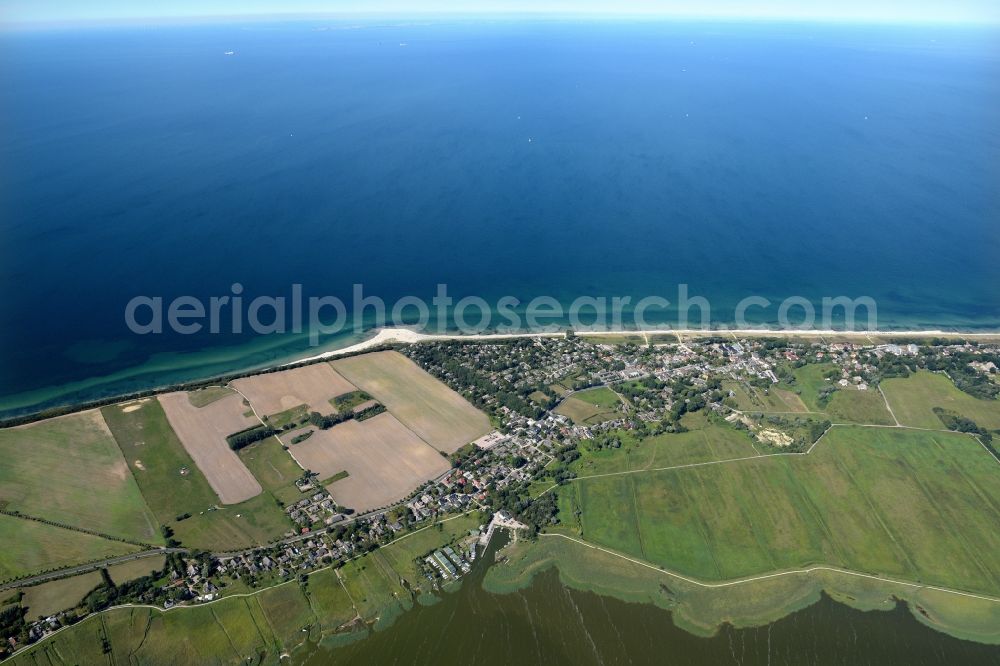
{"x":524,"y":159}
{"x":549,"y":623}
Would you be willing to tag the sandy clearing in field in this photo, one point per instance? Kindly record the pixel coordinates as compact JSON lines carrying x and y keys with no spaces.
{"x":203,"y":431}
{"x":385,"y":461}
{"x":312,"y":385}
{"x":442,"y":417}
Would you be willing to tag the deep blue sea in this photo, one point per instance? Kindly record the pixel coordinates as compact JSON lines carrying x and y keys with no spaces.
{"x":526,"y":159}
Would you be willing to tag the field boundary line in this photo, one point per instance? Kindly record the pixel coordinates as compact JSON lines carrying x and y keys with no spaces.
{"x":887,"y":406}
{"x":777,"y":574}
{"x":86,"y":567}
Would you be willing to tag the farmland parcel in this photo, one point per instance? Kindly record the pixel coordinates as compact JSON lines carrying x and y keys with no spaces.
{"x":311,"y":385}
{"x":439,"y":415}
{"x":383,"y":458}
{"x":69,"y":470}
{"x":203,"y":431}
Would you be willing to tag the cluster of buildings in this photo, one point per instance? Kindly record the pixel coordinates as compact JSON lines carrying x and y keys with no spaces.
{"x":446,"y":564}
{"x":317,"y":509}
{"x":523,"y":445}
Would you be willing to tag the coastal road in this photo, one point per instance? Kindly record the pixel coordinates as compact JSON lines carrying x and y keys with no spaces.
{"x":84,"y":568}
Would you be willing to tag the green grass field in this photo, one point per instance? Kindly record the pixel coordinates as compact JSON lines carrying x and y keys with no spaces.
{"x":208,"y":395}
{"x":273,"y":467}
{"x":58,"y":595}
{"x":69,"y":470}
{"x":590,"y":406}
{"x":329,"y":600}
{"x":849,"y":405}
{"x":751,"y":399}
{"x":809,"y":380}
{"x":32,"y":547}
{"x":173,"y":485}
{"x":702,"y":443}
{"x":126,"y":571}
{"x":903,"y":503}
{"x":538,"y":397}
{"x":914,"y":398}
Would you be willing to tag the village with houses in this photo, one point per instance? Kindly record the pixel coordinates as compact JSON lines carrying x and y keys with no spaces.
{"x":547,"y":399}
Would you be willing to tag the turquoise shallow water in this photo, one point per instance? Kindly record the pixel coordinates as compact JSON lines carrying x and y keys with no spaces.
{"x":543,"y":158}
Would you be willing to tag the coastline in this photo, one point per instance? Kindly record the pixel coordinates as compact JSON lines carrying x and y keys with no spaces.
{"x":70,"y":400}
{"x":385,"y":336}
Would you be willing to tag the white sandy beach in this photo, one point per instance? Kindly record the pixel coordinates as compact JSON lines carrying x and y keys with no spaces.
{"x":409,"y":336}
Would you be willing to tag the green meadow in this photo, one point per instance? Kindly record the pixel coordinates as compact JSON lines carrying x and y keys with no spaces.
{"x":914,"y":398}
{"x":68,"y":470}
{"x":31,"y":547}
{"x":174,"y":487}
{"x":752,"y":399}
{"x":590,"y":406}
{"x":274,"y":468}
{"x":849,"y":405}
{"x":704,"y":442}
{"x":902,"y":503}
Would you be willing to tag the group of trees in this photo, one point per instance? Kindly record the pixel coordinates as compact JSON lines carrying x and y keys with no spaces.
{"x":325,"y":422}
{"x":966,"y":378}
{"x":12,"y":623}
{"x":959,"y":423}
{"x":442,"y":361}
{"x":244,"y":438}
{"x":146,"y":589}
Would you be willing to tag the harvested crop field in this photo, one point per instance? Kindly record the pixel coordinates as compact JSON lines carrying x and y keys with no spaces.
{"x":312,"y":385}
{"x":442,"y":417}
{"x":384,"y":461}
{"x":203,"y":432}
